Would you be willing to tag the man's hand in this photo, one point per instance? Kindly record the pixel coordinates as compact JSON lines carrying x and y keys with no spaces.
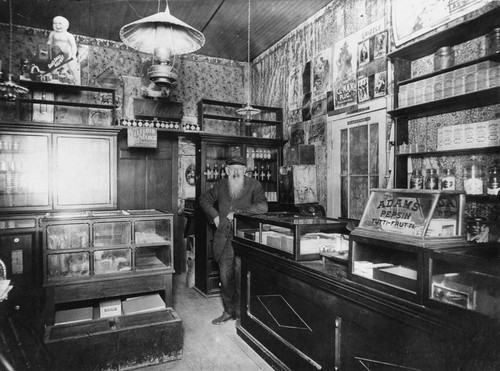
{"x":216,"y":222}
{"x":230,"y":216}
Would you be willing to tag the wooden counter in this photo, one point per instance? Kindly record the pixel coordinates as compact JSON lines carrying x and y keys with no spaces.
{"x":309,"y":316}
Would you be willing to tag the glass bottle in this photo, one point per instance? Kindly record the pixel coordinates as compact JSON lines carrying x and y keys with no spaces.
{"x":269,"y":175}
{"x":473,"y":177}
{"x":255,"y":173}
{"x":432,"y":179}
{"x":223,"y":173}
{"x":416,"y":180}
{"x":262,"y":175}
{"x":493,"y":186}
{"x":448,"y":179}
{"x":216,"y":172}
{"x":208,"y":172}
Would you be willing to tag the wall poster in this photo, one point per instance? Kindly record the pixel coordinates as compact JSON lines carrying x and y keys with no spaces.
{"x":344,"y":72}
{"x":411,"y":19}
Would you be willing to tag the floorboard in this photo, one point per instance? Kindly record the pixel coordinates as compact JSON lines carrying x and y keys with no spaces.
{"x":208,"y":347}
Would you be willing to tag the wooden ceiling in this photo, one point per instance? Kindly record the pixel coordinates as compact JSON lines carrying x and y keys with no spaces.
{"x":223,"y":22}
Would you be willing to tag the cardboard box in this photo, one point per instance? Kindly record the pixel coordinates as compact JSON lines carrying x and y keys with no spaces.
{"x":481,"y":134}
{"x":493,"y":133}
{"x":448,"y":85}
{"x":76,"y":315}
{"x":459,"y":82}
{"x":494,"y":76}
{"x":410,"y":96}
{"x":458,"y":140}
{"x":438,"y":87}
{"x":429,"y":90}
{"x":110,"y":308}
{"x":469,"y":135}
{"x":419,"y":91}
{"x":141,"y":304}
{"x":447,"y":137}
{"x":403,"y":96}
{"x":400,"y":276}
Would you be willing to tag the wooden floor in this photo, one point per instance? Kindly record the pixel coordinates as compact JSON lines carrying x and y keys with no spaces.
{"x":208,"y":347}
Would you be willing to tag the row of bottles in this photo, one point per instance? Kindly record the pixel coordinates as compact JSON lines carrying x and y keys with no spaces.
{"x":260,"y":172}
{"x":10,"y":177}
{"x":474,"y":179}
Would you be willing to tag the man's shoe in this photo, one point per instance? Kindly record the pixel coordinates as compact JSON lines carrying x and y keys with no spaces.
{"x":223,"y":318}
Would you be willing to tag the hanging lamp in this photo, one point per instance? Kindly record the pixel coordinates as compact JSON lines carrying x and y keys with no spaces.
{"x":9,"y":90}
{"x":248,"y":111}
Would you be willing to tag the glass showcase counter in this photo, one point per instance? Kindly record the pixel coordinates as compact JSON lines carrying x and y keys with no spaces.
{"x":294,"y":236}
{"x":95,"y":243}
{"x":387,"y":248}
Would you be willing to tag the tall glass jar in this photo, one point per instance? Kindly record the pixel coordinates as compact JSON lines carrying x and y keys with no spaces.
{"x":448,"y":181}
{"x":432,"y":179}
{"x":493,"y":185}
{"x":473,"y":177}
{"x":416,"y":180}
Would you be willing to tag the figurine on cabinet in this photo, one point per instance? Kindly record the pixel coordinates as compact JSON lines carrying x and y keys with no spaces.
{"x":61,"y":38}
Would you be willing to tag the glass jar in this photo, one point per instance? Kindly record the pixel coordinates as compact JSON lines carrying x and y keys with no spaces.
{"x":444,"y":58}
{"x":432,"y":179}
{"x":448,"y":179}
{"x":493,"y":186}
{"x":473,"y":177}
{"x":477,"y":230}
{"x":416,"y":180}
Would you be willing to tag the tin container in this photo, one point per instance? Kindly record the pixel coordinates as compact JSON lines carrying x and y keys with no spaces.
{"x":444,"y":58}
{"x":492,"y":41}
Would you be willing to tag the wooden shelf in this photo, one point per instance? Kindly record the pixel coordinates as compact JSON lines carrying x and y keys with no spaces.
{"x":451,"y":152}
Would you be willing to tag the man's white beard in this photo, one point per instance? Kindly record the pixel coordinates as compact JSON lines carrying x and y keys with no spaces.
{"x":236,"y":186}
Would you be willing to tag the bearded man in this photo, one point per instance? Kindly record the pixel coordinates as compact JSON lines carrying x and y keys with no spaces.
{"x":234,"y":194}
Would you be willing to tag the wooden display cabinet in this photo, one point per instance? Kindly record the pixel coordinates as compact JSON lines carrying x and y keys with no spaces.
{"x":95,"y":256}
{"x":263,"y":155}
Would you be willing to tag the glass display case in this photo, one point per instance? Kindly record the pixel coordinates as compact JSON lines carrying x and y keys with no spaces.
{"x":294,"y":236}
{"x":466,"y":277}
{"x":387,"y":248}
{"x":95,"y":243}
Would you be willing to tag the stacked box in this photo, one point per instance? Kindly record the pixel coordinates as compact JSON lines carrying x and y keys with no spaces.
{"x":429,"y":90}
{"x":458,"y":137}
{"x":410,"y":96}
{"x":469,"y":135}
{"x":494,"y":133}
{"x":403,"y":96}
{"x":419,"y":91}
{"x":481,"y":134}
{"x":438,"y":87}
{"x":448,"y":85}
{"x":447,"y":137}
{"x":470,"y":78}
{"x":494,"y":76}
{"x":458,"y":82}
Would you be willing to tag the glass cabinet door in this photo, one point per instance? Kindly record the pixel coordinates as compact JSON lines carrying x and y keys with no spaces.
{"x":263,"y":164}
{"x":152,"y":231}
{"x":24,"y":171}
{"x":112,"y":233}
{"x":85,"y":173}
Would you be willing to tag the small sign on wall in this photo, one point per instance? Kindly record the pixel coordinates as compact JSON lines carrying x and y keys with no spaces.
{"x":142,"y":137}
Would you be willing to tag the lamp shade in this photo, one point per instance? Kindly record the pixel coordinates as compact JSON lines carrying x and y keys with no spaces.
{"x":162,"y":30}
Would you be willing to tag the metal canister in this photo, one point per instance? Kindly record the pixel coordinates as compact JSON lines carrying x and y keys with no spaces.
{"x":492,"y":41}
{"x":444,"y":58}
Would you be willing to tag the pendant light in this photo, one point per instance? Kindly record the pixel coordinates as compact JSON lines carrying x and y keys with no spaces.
{"x":162,"y":35}
{"x":248,"y":111}
{"x":9,"y":90}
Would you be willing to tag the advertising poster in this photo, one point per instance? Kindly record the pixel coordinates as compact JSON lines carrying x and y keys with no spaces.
{"x":344,"y":73}
{"x":295,"y":88}
{"x":321,"y":74}
{"x":411,"y":19}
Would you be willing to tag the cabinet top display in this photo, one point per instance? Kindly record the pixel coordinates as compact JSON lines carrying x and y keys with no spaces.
{"x":415,"y":214}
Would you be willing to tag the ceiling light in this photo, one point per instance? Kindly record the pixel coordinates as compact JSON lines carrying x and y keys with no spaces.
{"x":248,"y":111}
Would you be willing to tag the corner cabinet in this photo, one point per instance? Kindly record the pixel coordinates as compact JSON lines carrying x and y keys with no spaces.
{"x":466,"y":85}
{"x":91,"y":258}
{"x":259,"y":141}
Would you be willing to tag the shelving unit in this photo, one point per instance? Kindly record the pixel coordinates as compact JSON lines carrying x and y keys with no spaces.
{"x":263,"y":151}
{"x":475,"y":26}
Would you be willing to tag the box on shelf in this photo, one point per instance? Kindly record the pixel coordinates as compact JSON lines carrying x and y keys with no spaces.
{"x":438,"y":87}
{"x":493,"y":133}
{"x":469,"y":135}
{"x":459,"y":81}
{"x":429,"y":90}
{"x":145,"y":303}
{"x":448,"y":85}
{"x":110,"y":308}
{"x":63,"y":317}
{"x":397,"y":275}
{"x":419,"y":91}
{"x":494,"y":76}
{"x":458,"y":137}
{"x":403,"y":96}
{"x":481,"y":134}
{"x":470,"y":79}
{"x":447,"y":133}
{"x":410,"y":96}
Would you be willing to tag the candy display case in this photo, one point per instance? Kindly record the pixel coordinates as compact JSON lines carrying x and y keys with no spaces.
{"x":387,"y":248}
{"x":465,"y":277}
{"x":294,"y":236}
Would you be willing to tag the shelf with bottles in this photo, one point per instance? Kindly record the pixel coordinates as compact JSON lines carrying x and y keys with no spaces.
{"x":217,"y":117}
{"x":93,"y":244}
